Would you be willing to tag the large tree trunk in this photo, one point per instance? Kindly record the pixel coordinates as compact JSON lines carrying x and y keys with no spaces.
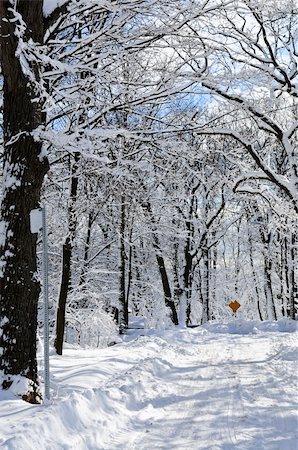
{"x":187,"y":278}
{"x":24,"y":172}
{"x":205,"y":284}
{"x":185,"y":300}
{"x":268,"y":287}
{"x":169,"y":302}
{"x":254,"y":274}
{"x":166,"y":288}
{"x":86,"y":251}
{"x":187,"y":272}
{"x":123,"y":310}
{"x":129,"y":268}
{"x":266,"y":239}
{"x":213,"y":279}
{"x":66,"y":258}
{"x":293,"y":282}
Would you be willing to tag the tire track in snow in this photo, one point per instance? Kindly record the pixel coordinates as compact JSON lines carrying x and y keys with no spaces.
{"x":196,"y":385}
{"x":181,"y":393}
{"x":251,"y":400}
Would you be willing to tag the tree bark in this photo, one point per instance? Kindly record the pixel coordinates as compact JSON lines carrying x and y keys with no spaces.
{"x":86,"y":250}
{"x":169,"y":302}
{"x":129,"y":268}
{"x":268,"y":288}
{"x":166,"y":288}
{"x":254,"y":275}
{"x":123,"y":312}
{"x":24,"y":171}
{"x":66,"y":259}
{"x":205,"y":284}
{"x":293,"y":292}
{"x":188,"y":267}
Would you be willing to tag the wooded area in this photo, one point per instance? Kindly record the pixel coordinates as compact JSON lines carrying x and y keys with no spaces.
{"x":162,"y":138}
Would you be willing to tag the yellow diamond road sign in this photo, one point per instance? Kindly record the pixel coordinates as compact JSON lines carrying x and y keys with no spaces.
{"x":234,"y":305}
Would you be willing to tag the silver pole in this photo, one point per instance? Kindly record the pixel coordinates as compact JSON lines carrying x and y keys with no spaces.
{"x":46,"y":306}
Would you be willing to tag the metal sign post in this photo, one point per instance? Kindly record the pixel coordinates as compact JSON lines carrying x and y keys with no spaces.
{"x":38,"y":222}
{"x":45,"y":305}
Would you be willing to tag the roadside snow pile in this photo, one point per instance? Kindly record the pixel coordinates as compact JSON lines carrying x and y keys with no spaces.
{"x":220,"y":386}
{"x":289,"y":354}
{"x":251,"y":326}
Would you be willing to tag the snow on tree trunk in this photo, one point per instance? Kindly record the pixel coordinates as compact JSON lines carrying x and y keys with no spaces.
{"x":24,"y":171}
{"x":66,"y":257}
{"x":123,"y":304}
{"x":169,"y":302}
{"x":205,"y":284}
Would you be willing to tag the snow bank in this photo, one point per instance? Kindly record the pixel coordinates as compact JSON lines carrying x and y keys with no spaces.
{"x":222,"y":385}
{"x":251,"y":326}
{"x":289,"y":354}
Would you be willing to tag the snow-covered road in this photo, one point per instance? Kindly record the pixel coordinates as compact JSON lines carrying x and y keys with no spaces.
{"x":215,"y":387}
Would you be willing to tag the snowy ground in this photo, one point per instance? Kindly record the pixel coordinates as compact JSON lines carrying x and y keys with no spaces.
{"x":230,"y":386}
